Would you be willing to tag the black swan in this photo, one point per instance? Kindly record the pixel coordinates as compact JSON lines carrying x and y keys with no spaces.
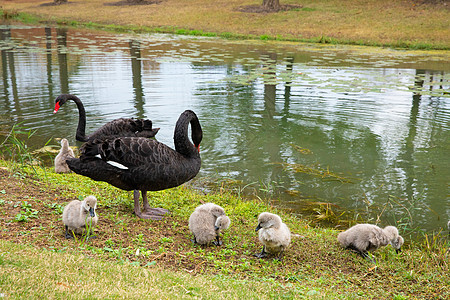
{"x":143,"y":164}
{"x":117,"y":128}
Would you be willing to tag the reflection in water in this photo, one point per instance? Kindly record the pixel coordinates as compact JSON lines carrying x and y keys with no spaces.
{"x":406,"y":156}
{"x":135,"y":52}
{"x":8,"y":62}
{"x":61,"y":37}
{"x":287,"y":86}
{"x":385,"y":129}
{"x":48,"y":46}
{"x":270,"y":131}
{"x":12,"y":70}
{"x":5,"y":34}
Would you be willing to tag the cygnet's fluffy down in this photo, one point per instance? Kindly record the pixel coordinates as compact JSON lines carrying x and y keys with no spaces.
{"x":60,"y":160}
{"x":79,"y":214}
{"x":273,"y":234}
{"x":363,"y":238}
{"x":207,"y":222}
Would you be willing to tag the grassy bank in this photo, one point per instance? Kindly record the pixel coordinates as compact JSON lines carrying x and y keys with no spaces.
{"x":30,"y":273}
{"x":134,"y":258}
{"x":407,"y":24}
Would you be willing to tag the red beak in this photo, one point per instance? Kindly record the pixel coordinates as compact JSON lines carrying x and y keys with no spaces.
{"x":57,"y":106}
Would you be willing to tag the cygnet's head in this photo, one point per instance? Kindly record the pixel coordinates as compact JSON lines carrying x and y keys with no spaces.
{"x":397,"y":243}
{"x":216,"y":210}
{"x":90,"y":204}
{"x":222,"y":223}
{"x":207,"y":206}
{"x":391,"y":232}
{"x":268,"y":220}
{"x":394,"y":239}
{"x":64,"y":142}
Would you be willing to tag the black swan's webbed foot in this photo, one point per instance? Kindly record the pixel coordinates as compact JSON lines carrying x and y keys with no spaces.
{"x":152,"y":213}
{"x":148,"y":212}
{"x":156,"y":211}
{"x":149,"y":216}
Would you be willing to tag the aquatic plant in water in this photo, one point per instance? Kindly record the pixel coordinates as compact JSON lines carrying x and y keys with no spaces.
{"x":16,"y":148}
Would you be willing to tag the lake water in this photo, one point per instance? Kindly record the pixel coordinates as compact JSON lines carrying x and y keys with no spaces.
{"x":309,"y":127}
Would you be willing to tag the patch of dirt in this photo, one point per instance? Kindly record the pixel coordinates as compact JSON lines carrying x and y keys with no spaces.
{"x":133,"y":2}
{"x":258,"y":9}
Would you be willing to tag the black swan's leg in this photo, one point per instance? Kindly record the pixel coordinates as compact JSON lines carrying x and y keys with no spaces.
{"x":155,"y":212}
{"x":148,"y":213}
{"x":145,"y":200}
{"x":262,"y":254}
{"x":194,"y":240}
{"x":68,"y":234}
{"x":137,"y":205}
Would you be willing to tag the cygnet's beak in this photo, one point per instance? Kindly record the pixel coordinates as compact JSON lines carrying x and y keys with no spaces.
{"x":258,"y":227}
{"x":398,"y":250}
{"x":216,"y":228}
{"x":91,"y":212}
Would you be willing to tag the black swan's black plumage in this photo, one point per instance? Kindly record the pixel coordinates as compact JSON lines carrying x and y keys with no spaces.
{"x":117,"y":128}
{"x":145,"y":164}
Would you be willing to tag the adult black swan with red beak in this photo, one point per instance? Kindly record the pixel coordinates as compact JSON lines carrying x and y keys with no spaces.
{"x":117,"y":128}
{"x":142,"y":164}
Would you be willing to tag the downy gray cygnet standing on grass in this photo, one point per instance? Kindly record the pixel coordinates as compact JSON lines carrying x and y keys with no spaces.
{"x":79,"y":214}
{"x":364,"y":238}
{"x":60,"y":160}
{"x":207,"y":222}
{"x":273,"y":234}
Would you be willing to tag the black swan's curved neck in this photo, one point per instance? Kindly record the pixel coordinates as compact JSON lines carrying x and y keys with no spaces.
{"x":81,"y":129}
{"x":182,"y":143}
